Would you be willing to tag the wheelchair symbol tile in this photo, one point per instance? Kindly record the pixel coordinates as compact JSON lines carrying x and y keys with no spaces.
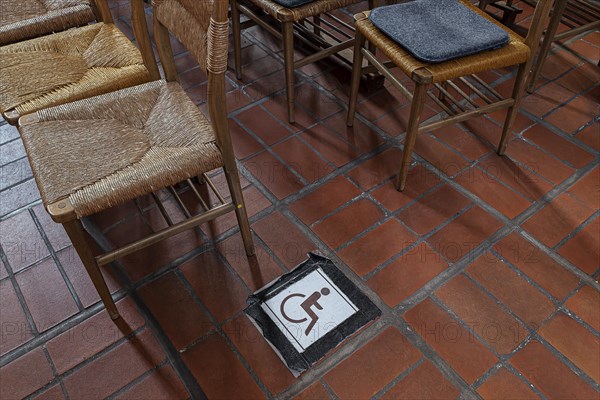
{"x":308,"y":309}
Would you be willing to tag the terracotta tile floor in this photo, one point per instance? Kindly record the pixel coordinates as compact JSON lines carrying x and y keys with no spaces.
{"x":486,"y":268}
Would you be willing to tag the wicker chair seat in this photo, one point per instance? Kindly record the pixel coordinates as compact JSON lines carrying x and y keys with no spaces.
{"x":102,"y":151}
{"x":67,"y":66}
{"x":515,"y":52}
{"x":284,"y":14}
{"x":25,"y":19}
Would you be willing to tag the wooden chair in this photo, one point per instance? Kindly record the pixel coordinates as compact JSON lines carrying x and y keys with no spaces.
{"x":449,"y":79}
{"x":306,"y":20}
{"x":26,"y":19}
{"x":95,"y":153}
{"x":578,"y":16}
{"x":74,"y":64}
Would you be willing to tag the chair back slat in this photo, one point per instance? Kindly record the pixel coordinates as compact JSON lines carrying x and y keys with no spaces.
{"x":103,"y":11}
{"x":538,"y":24}
{"x":201,"y":26}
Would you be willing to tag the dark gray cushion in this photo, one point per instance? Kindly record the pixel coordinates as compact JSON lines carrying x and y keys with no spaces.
{"x":293,"y":3}
{"x":438,"y":30}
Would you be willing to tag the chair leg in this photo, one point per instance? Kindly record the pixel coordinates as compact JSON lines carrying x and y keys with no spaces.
{"x":416,"y":108}
{"x":237,"y":38}
{"x":288,"y":58}
{"x":559,"y":8}
{"x":518,"y":90}
{"x":233,"y":182}
{"x":317,"y":21}
{"x":359,"y":42}
{"x":76,"y":233}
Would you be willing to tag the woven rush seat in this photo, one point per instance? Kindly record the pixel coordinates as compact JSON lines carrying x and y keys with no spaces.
{"x":26,"y":19}
{"x":299,"y":9}
{"x":108,"y":149}
{"x":67,"y":66}
{"x":514,"y":52}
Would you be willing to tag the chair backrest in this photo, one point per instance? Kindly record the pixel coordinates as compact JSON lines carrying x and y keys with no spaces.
{"x":202,"y":26}
{"x":103,"y":11}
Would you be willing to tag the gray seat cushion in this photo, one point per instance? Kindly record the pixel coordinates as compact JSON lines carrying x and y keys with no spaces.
{"x":438,"y":30}
{"x":293,"y":3}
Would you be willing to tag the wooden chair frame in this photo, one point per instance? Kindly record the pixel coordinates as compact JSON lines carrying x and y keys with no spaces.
{"x":459,"y":109}
{"x":580,"y":16}
{"x":63,"y":211}
{"x":313,"y":33}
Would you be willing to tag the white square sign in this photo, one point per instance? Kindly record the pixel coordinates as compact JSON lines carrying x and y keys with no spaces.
{"x":308,"y":309}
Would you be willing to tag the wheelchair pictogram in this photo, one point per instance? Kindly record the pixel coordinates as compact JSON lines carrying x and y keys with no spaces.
{"x":307,"y":306}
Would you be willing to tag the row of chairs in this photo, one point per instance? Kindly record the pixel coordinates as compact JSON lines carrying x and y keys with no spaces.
{"x":100,"y":127}
{"x":461,"y":93}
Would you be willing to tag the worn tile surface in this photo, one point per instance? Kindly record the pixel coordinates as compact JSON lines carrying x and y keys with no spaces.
{"x":486,"y":268}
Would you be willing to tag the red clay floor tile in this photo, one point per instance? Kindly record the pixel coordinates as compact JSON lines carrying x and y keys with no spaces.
{"x":377,"y":246}
{"x":46,"y":294}
{"x":506,"y":285}
{"x":273,"y":174}
{"x":505,"y":385}
{"x":179,"y":316}
{"x":424,"y":382}
{"x":263,"y":125}
{"x":419,"y":181}
{"x":303,"y":160}
{"x":347,"y":223}
{"x":377,"y":169}
{"x":461,"y":236}
{"x":553,"y":378}
{"x":80,"y":280}
{"x":216,"y":368}
{"x":161,"y":384}
{"x":324,"y":200}
{"x":218,"y":288}
{"x":451,"y":340}
{"x":284,"y":239}
{"x":53,"y":393}
{"x":93,"y":335}
{"x":590,"y":136}
{"x":537,"y":265}
{"x":514,"y":175}
{"x":586,"y":305}
{"x":432,"y":210}
{"x":486,"y":318}
{"x":493,"y":192}
{"x":587,"y":188}
{"x":439,"y":155}
{"x":560,"y":147}
{"x":115,"y":369}
{"x":407,"y":274}
{"x":25,"y":375}
{"x":257,"y":271}
{"x":15,"y":328}
{"x":373,"y":366}
{"x":582,"y":249}
{"x":316,"y":391}
{"x":21,"y":241}
{"x":538,"y":161}
{"x":575,"y":114}
{"x":257,"y":352}
{"x":557,"y":219}
{"x":577,"y":343}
